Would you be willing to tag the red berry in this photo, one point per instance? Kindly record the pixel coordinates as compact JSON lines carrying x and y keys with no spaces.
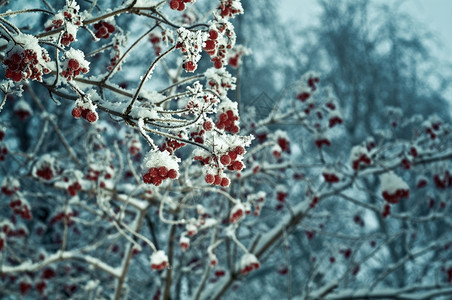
{"x":163,"y":172}
{"x":225,"y":159}
{"x":91,"y":117}
{"x":239,"y":150}
{"x":190,"y":66}
{"x":174,"y":4}
{"x":213,"y":34}
{"x":238,"y":165}
{"x":217,"y":180}
{"x":225,"y":182}
{"x":76,"y":112}
{"x":208,"y":126}
{"x":209,"y":179}
{"x":172,"y":174}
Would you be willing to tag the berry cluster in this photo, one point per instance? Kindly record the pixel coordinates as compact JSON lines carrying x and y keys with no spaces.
{"x":184,"y":243}
{"x":229,"y":8}
{"x":330,"y":176}
{"x":159,"y":260}
{"x":59,"y":217}
{"x":3,"y":151}
{"x":10,"y":186}
{"x":359,"y":156}
{"x":103,"y":30}
{"x":172,"y":145}
{"x":335,"y":120}
{"x":134,"y":147}
{"x":24,"y":64}
{"x":86,"y":113}
{"x":22,"y":109}
{"x":45,"y":172}
{"x":320,"y":141}
{"x":226,"y":121}
{"x":156,"y":175}
{"x":73,"y":68}
{"x":395,"y":197}
{"x":74,"y":188}
{"x":237,"y":213}
{"x":248,"y":263}
{"x":443,"y":181}
{"x":21,"y":207}
{"x":217,"y":180}
{"x":179,"y":4}
{"x":155,"y":39}
{"x":67,"y":38}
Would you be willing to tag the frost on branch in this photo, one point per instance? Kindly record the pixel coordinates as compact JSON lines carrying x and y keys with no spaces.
{"x":69,"y":20}
{"x":393,"y":188}
{"x":190,"y":43}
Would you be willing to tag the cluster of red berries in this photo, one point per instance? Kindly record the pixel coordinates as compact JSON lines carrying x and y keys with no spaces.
{"x":229,"y":8}
{"x":74,"y":188}
{"x":197,"y":136}
{"x":211,"y":42}
{"x":335,"y":120}
{"x":73,"y":69}
{"x":159,"y":260}
{"x":421,"y":182}
{"x":226,"y":121}
{"x":433,"y":130}
{"x":303,"y":96}
{"x":172,"y":145}
{"x":24,"y":64}
{"x":207,"y":125}
{"x":134,"y":147}
{"x":115,"y":57}
{"x":443,"y":181}
{"x":45,"y":172}
{"x":21,"y":208}
{"x":312,"y":81}
{"x":67,"y":38}
{"x":362,"y":159}
{"x":93,"y":174}
{"x":156,"y":43}
{"x":24,"y":287}
{"x":405,"y":163}
{"x":179,"y":4}
{"x":59,"y":217}
{"x":217,"y":180}
{"x":219,"y":87}
{"x":103,"y":30}
{"x":237,"y":213}
{"x":9,"y":189}
{"x":319,"y":142}
{"x":249,"y":263}
{"x":230,"y":159}
{"x":284,"y":144}
{"x":85,"y":113}
{"x":54,"y":25}
{"x":396,"y":196}
{"x":156,"y":175}
{"x":3,"y":152}
{"x":281,"y":196}
{"x":184,"y":243}
{"x":330,"y":177}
